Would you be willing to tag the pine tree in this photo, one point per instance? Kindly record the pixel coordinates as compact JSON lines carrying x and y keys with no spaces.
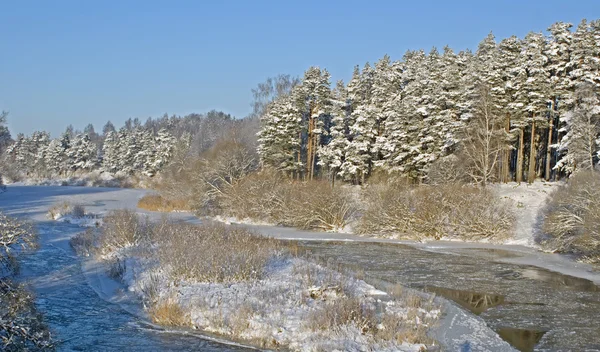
{"x":313,"y":99}
{"x":581,"y":145}
{"x":537,"y":90}
{"x":559,"y":66}
{"x":110,"y":152}
{"x":281,"y":135}
{"x":359,"y":157}
{"x":333,"y":154}
{"x":83,"y":153}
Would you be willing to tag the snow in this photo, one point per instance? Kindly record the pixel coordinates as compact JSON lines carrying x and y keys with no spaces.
{"x":277,"y":306}
{"x":529,"y":200}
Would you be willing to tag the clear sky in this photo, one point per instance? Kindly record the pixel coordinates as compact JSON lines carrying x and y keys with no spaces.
{"x":75,"y":62}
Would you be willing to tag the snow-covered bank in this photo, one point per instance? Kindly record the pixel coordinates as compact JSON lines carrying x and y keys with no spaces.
{"x":290,"y":302}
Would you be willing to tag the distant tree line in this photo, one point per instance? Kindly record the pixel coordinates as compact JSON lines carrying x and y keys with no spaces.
{"x":134,"y":149}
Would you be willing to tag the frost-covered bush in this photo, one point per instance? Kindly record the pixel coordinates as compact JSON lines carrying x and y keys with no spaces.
{"x":123,"y":228}
{"x":270,"y":196}
{"x":85,"y":243}
{"x":21,"y":326}
{"x":571,"y":224}
{"x":213,"y":252}
{"x":14,"y":235}
{"x":420,"y":212}
{"x":66,"y":209}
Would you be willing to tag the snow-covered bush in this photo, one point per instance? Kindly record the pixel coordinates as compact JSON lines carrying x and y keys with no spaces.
{"x":213,"y":252}
{"x":14,"y":234}
{"x":271,"y":197}
{"x":571,"y":224}
{"x":66,"y":209}
{"x":421,"y":212}
{"x":21,"y":326}
{"x":121,"y":229}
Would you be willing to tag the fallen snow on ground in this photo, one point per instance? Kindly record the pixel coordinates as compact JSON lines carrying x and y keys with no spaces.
{"x":529,"y":201}
{"x":92,"y":179}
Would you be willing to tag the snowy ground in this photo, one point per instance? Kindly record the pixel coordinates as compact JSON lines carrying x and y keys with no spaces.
{"x":529,"y":201}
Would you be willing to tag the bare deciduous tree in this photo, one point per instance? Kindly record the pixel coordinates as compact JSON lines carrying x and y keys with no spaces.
{"x":483,"y":139}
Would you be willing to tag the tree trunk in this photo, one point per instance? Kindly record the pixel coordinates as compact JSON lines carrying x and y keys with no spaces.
{"x":506,"y":154}
{"x":299,"y":168}
{"x":519,"y":177}
{"x":548,"y":148}
{"x":309,"y":142}
{"x":531,"y":172}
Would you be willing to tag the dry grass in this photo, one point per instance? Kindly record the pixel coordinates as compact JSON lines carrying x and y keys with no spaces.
{"x":66,"y":209}
{"x":572,"y":218}
{"x":271,"y":197}
{"x":154,"y":202}
{"x":123,"y":228}
{"x":168,"y":312}
{"x":214,"y":252}
{"x":85,"y":243}
{"x":344,"y":311}
{"x":374,"y":319}
{"x":419,"y":212}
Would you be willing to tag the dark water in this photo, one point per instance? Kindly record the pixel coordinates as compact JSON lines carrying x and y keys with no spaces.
{"x":531,"y":308}
{"x":79,"y":318}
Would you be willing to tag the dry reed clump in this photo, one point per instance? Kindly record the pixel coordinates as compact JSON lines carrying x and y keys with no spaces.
{"x":213,"y":252}
{"x":168,"y":312}
{"x":419,"y":212}
{"x":85,"y":243}
{"x":269,"y":196}
{"x":66,"y":209}
{"x":155,"y":202}
{"x":374,"y":319}
{"x":572,"y":218}
{"x":123,"y":228}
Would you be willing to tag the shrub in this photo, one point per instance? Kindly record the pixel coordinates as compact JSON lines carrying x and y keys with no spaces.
{"x":85,"y":243}
{"x":344,"y":311}
{"x":155,"y":202}
{"x":21,"y":325}
{"x":123,"y":228}
{"x":213,"y":252}
{"x":14,"y":234}
{"x":269,"y":196}
{"x":572,"y":218}
{"x":420,"y":212}
{"x":66,"y":209}
{"x":169,"y":312}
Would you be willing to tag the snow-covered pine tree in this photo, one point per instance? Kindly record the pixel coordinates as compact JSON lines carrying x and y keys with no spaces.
{"x":313,"y":99}
{"x":581,"y":144}
{"x":333,"y":154}
{"x":83,"y":153}
{"x":141,"y":148}
{"x":110,"y":152}
{"x":164,"y":143}
{"x":509,"y":59}
{"x":537,"y":89}
{"x":387,"y":82}
{"x":359,"y":157}
{"x":558,"y":52}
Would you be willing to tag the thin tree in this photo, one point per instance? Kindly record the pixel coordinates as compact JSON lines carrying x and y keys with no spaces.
{"x":483,"y":138}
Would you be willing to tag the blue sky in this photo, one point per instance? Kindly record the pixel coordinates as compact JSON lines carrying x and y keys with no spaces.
{"x":76,"y":62}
